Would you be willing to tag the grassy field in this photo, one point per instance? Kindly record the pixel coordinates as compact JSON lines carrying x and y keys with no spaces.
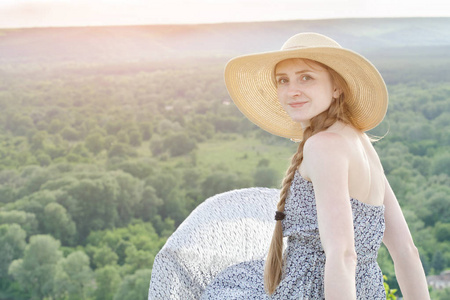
{"x":242,"y":155}
{"x":236,"y":154}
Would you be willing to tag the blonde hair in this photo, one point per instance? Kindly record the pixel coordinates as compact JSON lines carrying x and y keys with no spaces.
{"x":336,"y":112}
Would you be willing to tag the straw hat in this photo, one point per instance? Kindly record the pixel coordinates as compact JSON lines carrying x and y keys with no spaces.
{"x":250,"y":81}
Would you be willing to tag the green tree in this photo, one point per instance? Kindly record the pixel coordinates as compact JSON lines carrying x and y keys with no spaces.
{"x":200,"y":128}
{"x":142,"y":236}
{"x":179,"y":144}
{"x":19,"y":124}
{"x":175,"y":206}
{"x":442,"y":231}
{"x":134,"y":286}
{"x":438,"y":262}
{"x":221,"y":181}
{"x":12,"y":246}
{"x":43,"y":159}
{"x":137,"y":259}
{"x":441,"y":164}
{"x":122,"y":137}
{"x":93,"y":204}
{"x":36,"y":271}
{"x":128,"y":197}
{"x":149,"y":205}
{"x":81,"y":151}
{"x":7,"y":193}
{"x":105,"y":256}
{"x":33,"y":177}
{"x":163,"y":227}
{"x":140,"y":167}
{"x":157,"y":145}
{"x":165,"y":127}
{"x":265,"y":177}
{"x":163,"y":182}
{"x":27,"y":221}
{"x":55,"y":151}
{"x":121,"y":150}
{"x":263,"y":163}
{"x":108,"y":142}
{"x":113,"y":127}
{"x":73,"y":277}
{"x":146,"y":129}
{"x":70,"y":134}
{"x":226,"y":124}
{"x":58,"y":223}
{"x":135,"y":138}
{"x":38,"y":140}
{"x":95,"y":142}
{"x":108,"y":281}
{"x":55,"y":126}
{"x":439,"y":206}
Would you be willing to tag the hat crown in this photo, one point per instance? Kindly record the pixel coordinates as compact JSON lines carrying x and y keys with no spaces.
{"x":309,"y":39}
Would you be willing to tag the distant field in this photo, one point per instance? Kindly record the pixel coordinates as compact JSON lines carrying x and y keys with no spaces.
{"x":243,"y":154}
{"x":239,"y":155}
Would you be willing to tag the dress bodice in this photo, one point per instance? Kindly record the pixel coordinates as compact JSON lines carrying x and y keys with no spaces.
{"x":300,"y":223}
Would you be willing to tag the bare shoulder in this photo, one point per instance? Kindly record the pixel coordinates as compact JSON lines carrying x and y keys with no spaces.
{"x":325,"y":144}
{"x":325,"y":153}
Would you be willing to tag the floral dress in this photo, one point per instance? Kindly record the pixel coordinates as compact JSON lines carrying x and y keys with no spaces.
{"x":304,"y":258}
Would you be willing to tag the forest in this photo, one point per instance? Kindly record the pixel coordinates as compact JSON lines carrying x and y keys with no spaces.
{"x":100,"y":162}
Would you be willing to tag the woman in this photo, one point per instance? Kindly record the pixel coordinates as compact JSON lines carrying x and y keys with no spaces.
{"x":336,"y":205}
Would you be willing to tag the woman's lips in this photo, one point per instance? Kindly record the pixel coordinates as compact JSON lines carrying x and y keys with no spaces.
{"x":297,"y":104}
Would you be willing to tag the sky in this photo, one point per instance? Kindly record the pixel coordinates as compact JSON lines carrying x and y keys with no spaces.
{"x":61,"y":13}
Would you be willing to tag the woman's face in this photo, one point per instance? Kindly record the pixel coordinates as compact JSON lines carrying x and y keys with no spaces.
{"x":304,"y":90}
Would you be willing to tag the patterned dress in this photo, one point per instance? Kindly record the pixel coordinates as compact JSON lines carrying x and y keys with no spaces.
{"x":304,"y":258}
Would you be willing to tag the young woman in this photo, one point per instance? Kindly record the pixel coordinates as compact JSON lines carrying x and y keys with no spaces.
{"x":336,"y":206}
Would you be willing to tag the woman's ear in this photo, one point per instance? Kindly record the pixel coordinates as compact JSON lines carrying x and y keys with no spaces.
{"x":337,"y":92}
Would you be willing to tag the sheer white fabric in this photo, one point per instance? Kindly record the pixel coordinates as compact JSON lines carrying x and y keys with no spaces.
{"x":226,"y":229}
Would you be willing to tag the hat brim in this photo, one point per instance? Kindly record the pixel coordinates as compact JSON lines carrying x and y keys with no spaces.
{"x":251,"y":84}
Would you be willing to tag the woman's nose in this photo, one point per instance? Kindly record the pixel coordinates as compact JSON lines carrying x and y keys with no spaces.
{"x":294,"y":90}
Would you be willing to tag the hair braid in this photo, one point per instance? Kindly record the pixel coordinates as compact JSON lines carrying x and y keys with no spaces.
{"x":336,"y":112}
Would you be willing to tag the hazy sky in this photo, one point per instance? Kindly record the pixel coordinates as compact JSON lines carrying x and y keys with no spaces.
{"x":43,"y":13}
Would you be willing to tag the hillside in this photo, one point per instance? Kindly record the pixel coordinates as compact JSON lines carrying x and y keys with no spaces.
{"x":161,"y":42}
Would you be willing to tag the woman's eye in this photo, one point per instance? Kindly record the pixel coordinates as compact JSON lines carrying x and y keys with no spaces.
{"x":282,"y":81}
{"x":306,"y":77}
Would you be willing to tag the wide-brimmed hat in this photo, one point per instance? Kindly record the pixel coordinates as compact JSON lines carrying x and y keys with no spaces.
{"x":250,"y":80}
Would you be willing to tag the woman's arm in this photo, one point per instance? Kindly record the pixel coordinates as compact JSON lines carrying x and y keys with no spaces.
{"x":326,"y":163}
{"x":397,"y":238}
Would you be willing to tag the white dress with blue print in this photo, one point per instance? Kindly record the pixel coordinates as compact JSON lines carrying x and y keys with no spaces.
{"x":304,"y":258}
